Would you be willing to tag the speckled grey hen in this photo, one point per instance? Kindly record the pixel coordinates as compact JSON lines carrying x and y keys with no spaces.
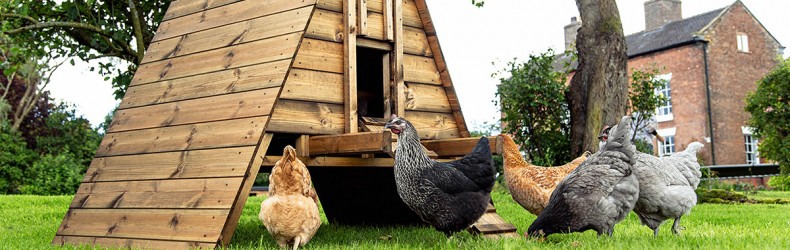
{"x":597,"y":194}
{"x":450,"y":196}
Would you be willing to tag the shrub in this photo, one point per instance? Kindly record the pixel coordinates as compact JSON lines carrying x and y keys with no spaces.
{"x":14,"y":160}
{"x":780,"y":182}
{"x":53,"y":175}
{"x":770,"y":113}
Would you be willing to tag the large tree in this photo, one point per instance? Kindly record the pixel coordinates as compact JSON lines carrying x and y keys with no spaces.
{"x":769,"y":106}
{"x":88,"y":29}
{"x":599,"y":89}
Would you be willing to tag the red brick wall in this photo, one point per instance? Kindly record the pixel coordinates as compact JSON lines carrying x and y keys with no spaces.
{"x":687,"y":86}
{"x":733,"y":75}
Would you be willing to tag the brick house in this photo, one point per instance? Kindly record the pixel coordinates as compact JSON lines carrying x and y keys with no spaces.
{"x":725,"y":52}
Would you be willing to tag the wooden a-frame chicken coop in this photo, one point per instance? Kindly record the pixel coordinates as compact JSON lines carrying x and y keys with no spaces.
{"x":226,"y":84}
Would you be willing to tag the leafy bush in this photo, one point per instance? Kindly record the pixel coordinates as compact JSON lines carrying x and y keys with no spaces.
{"x":643,"y":146}
{"x":770,"y":115}
{"x":15,"y":158}
{"x":780,"y":182}
{"x":53,"y":175}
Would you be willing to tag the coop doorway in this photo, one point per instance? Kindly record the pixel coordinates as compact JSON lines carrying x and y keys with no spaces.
{"x":373,"y":77}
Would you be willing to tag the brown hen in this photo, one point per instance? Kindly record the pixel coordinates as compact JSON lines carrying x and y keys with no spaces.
{"x":290,"y":214}
{"x":531,"y":185}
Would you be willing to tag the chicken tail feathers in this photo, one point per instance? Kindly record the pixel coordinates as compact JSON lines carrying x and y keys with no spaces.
{"x":693,"y":148}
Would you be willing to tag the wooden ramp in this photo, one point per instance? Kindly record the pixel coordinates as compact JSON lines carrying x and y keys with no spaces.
{"x":180,"y":156}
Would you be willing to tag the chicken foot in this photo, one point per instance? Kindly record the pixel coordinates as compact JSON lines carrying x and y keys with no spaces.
{"x":676,"y":228}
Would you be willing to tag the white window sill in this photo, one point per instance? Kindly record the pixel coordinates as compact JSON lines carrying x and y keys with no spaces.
{"x":663,"y":118}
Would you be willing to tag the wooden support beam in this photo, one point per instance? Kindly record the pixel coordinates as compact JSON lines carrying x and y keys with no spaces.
{"x":388,"y":23}
{"x":303,"y":146}
{"x":375,"y":44}
{"x":350,"y":66}
{"x":359,"y":143}
{"x":331,"y":161}
{"x":362,"y":17}
{"x":460,"y":146}
{"x":244,"y":191}
{"x":397,"y":59}
{"x":386,"y":81}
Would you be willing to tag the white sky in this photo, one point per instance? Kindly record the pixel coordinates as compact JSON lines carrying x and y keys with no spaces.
{"x":471,"y":38}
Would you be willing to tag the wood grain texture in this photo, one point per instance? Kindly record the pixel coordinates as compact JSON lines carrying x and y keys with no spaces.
{"x":201,"y":225}
{"x":433,"y":126}
{"x":457,"y":146}
{"x":181,"y":193}
{"x":398,"y":84}
{"x":306,"y":118}
{"x":261,"y":51}
{"x":425,"y":97}
{"x":317,"y":86}
{"x":224,"y":15}
{"x":320,"y":55}
{"x":223,"y":162}
{"x":227,"y":81}
{"x":337,"y":5}
{"x":180,"y":8}
{"x":232,"y":133}
{"x":420,"y":69}
{"x":359,"y":143}
{"x":327,"y":25}
{"x":415,"y":42}
{"x":350,"y":32}
{"x":131,"y":243}
{"x":216,"y":108}
{"x":229,"y":35}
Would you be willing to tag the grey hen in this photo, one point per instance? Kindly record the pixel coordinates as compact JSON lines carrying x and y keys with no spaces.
{"x":448,"y":195}
{"x":597,"y":194}
{"x":667,"y":187}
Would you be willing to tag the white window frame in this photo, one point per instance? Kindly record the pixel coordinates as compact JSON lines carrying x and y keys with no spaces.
{"x":669,"y":141}
{"x":751,"y":146}
{"x":664,"y":112}
{"x":743,"y":42}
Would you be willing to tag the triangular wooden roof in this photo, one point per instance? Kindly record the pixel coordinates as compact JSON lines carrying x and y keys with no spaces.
{"x":179,"y":158}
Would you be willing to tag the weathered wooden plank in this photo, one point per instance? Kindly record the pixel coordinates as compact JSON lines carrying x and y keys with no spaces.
{"x":424,"y":97}
{"x":216,"y":108}
{"x":228,"y":35}
{"x":244,"y":191}
{"x":233,"y":80}
{"x":180,"y":8}
{"x":415,"y":42}
{"x":180,"y":193}
{"x":224,"y":15}
{"x":411,"y":16}
{"x":359,"y":143}
{"x":326,"y":25}
{"x":362,"y":17}
{"x":131,"y":243}
{"x":320,"y":55}
{"x":397,"y":64}
{"x":317,"y":86}
{"x":232,"y":133}
{"x":267,"y":50}
{"x":222,"y":162}
{"x":200,"y":225}
{"x":306,"y":118}
{"x":421,"y":69}
{"x":337,"y":5}
{"x":457,"y":146}
{"x":387,"y":13}
{"x":350,"y":65}
{"x":433,"y":126}
{"x":387,"y":81}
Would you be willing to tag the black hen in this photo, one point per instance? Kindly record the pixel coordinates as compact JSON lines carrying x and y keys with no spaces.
{"x":597,"y":194}
{"x":450,"y":196}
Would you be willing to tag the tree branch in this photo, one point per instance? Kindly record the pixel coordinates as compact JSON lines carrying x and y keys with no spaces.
{"x":138,"y":32}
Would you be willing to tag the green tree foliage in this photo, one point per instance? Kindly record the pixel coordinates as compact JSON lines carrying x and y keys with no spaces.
{"x":769,"y":106}
{"x":643,"y":97}
{"x":88,"y":29}
{"x":535,"y":113}
{"x":65,"y":131}
{"x":15,"y":158}
{"x":53,"y":175}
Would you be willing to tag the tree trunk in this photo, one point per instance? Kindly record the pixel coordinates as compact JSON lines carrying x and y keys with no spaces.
{"x":599,"y":89}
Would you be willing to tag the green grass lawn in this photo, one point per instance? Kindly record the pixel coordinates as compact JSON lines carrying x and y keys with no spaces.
{"x":30,"y":222}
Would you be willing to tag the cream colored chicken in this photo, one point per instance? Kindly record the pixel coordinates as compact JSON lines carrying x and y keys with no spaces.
{"x":290,"y":214}
{"x":531,"y":185}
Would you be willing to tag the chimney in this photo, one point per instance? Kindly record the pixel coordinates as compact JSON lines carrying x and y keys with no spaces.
{"x":660,"y":12}
{"x":570,"y":33}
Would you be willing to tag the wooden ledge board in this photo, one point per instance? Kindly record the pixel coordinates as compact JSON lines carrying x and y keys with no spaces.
{"x":459,"y":146}
{"x":357,"y":143}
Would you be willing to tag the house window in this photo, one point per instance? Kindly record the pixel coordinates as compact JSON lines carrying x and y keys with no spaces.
{"x":664,"y":111}
{"x":667,"y":147}
{"x":752,"y":155}
{"x":743,"y":42}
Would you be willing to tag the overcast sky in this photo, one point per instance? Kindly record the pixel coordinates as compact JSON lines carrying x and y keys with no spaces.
{"x":476,"y":42}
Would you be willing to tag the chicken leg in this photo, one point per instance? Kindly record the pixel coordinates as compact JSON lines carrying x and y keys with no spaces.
{"x":676,"y":226}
